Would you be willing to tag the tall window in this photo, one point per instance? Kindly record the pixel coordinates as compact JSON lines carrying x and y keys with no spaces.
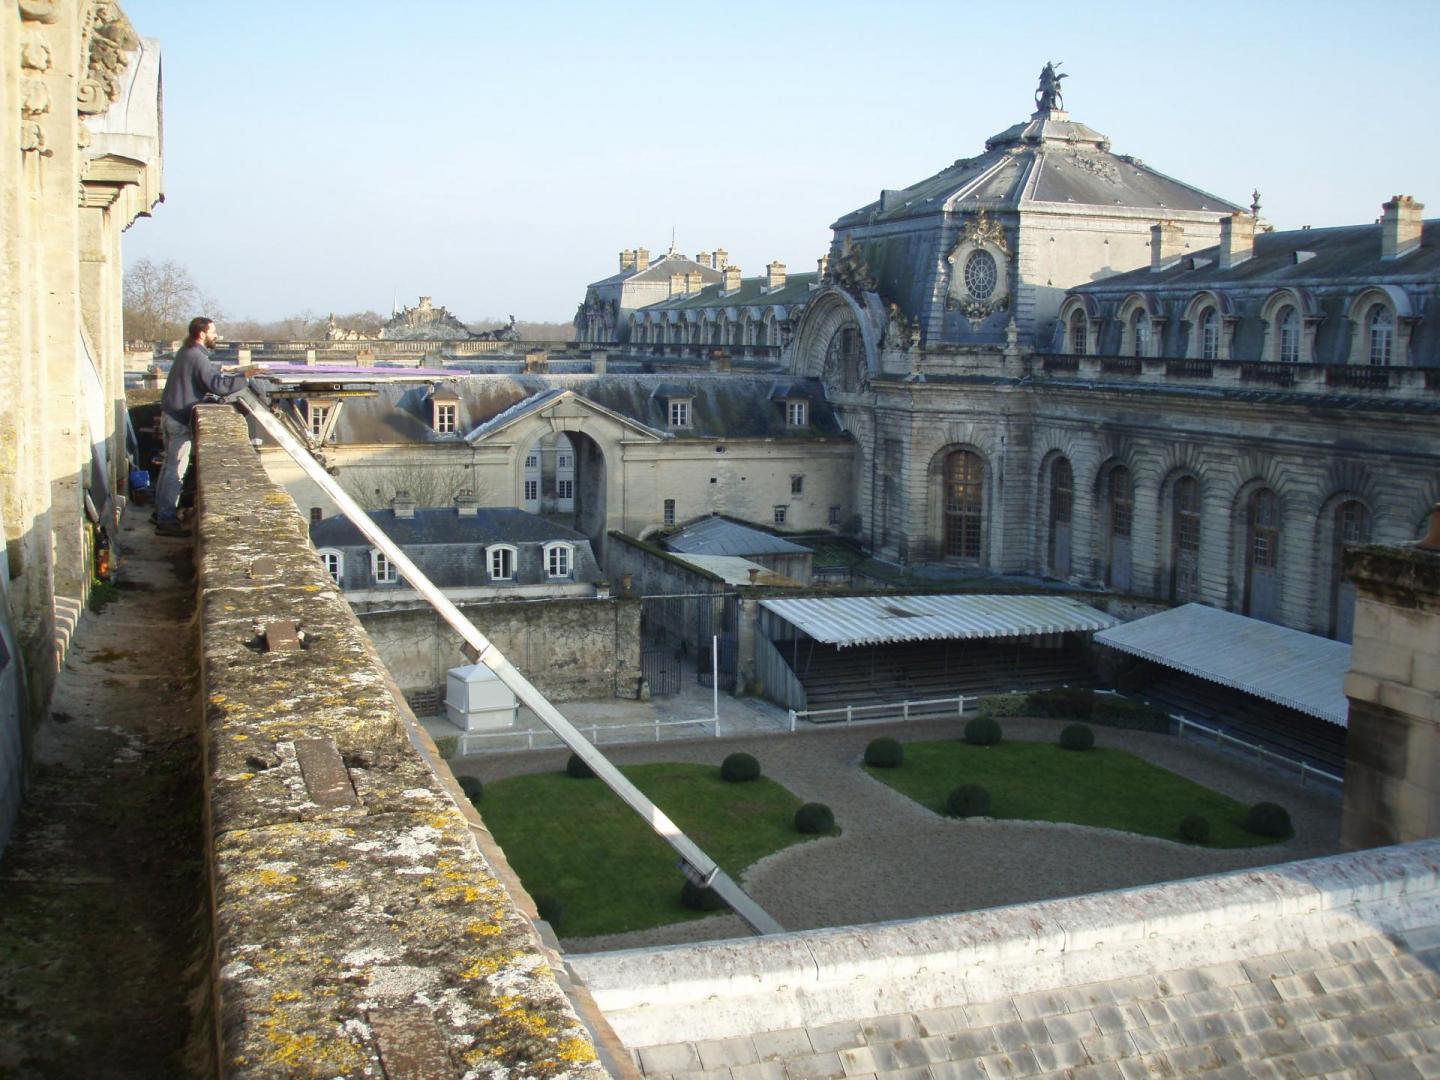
{"x":557,"y":560}
{"x":318,"y":415}
{"x":532,"y":490}
{"x":669,"y":512}
{"x":446,"y":417}
{"x":1079,"y":338}
{"x":1381,"y":326}
{"x":532,"y":460}
{"x":316,"y":514}
{"x":564,"y":461}
{"x":964,"y":504}
{"x":1121,"y":521}
{"x":797,"y":486}
{"x":1287,"y":326}
{"x":380,"y":568}
{"x":1185,"y":540}
{"x":797,"y":413}
{"x":679,"y":413}
{"x":1140,"y":333}
{"x":1209,"y":334}
{"x":1264,"y":529}
{"x":779,"y":513}
{"x":1062,"y":501}
{"x":502,"y":563}
{"x":564,"y":488}
{"x":334,"y":563}
{"x":834,"y":516}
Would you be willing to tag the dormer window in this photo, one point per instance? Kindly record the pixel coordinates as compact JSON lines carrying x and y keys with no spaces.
{"x":501,"y":561}
{"x":447,"y":416}
{"x":797,"y":412}
{"x":381,"y":569}
{"x":334,"y":563}
{"x":1380,"y":324}
{"x":317,"y":418}
{"x":558,"y":560}
{"x":1079,"y":334}
{"x":679,"y":412}
{"x":1209,"y":334}
{"x":1288,"y":328}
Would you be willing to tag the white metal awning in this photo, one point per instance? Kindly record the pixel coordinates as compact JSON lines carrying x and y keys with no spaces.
{"x":875,"y":620}
{"x":1288,"y":667}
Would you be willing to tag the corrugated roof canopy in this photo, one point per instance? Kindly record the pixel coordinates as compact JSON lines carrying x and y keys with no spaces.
{"x":875,"y":620}
{"x":1288,"y":667}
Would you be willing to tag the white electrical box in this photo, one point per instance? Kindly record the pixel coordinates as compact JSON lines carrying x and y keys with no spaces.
{"x":476,"y":699}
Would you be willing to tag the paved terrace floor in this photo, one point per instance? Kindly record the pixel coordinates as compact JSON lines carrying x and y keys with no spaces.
{"x":102,"y":904}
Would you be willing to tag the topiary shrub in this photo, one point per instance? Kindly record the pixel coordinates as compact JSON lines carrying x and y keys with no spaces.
{"x":1195,"y":829}
{"x":814,"y":817}
{"x":739,"y":768}
{"x":700,"y":897}
{"x":549,"y":908}
{"x":884,"y":753}
{"x":1003,"y":705}
{"x":1077,"y":737}
{"x":1067,"y":703}
{"x":1269,"y":819}
{"x":1115,"y":711}
{"x":577,"y":768}
{"x":472,"y":787}
{"x":968,"y":800}
{"x":982,"y":731}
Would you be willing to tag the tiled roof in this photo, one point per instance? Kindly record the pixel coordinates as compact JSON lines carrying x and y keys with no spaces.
{"x":444,"y":525}
{"x":721,"y":536}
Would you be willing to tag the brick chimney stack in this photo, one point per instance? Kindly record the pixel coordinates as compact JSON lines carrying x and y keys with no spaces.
{"x":642,"y":258}
{"x":1400,"y":227}
{"x":466,"y":504}
{"x":403,"y":505}
{"x":694,"y":282}
{"x":627,"y":260}
{"x":775,"y":276}
{"x":731,"y":284}
{"x":677,"y":285}
{"x":705,"y":259}
{"x":1237,"y":239}
{"x":1167,"y":244}
{"x":722,"y":259}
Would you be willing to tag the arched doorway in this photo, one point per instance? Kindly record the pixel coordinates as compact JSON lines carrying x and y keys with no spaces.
{"x":1062,"y":503}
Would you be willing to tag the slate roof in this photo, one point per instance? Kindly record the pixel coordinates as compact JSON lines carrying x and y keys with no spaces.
{"x":661,"y":269}
{"x":723,"y":406}
{"x":796,"y":290}
{"x":1067,"y":162}
{"x":443,"y":525}
{"x":721,"y":536}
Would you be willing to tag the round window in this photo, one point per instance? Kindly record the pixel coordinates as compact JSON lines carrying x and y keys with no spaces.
{"x":980,"y":275}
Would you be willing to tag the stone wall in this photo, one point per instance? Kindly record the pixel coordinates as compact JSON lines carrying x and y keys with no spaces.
{"x":1392,"y":761}
{"x":359,"y":929}
{"x":570,"y":649}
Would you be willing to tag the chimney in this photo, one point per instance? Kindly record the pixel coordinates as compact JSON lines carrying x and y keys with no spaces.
{"x":731,"y":284}
{"x":1237,"y":239}
{"x":720,"y":259}
{"x":1400,"y":227}
{"x":677,"y":285}
{"x":642,"y":259}
{"x":694,"y":281}
{"x":598,"y":361}
{"x":704,"y":259}
{"x":403,"y":505}
{"x":1167,"y":242}
{"x":775,"y":276}
{"x":627,"y":260}
{"x":466,"y":504}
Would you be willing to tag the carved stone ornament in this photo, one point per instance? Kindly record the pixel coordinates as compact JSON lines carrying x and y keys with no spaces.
{"x":979,"y":270}
{"x":35,"y":52}
{"x":849,"y":271}
{"x":901,"y":333}
{"x":1097,"y":165}
{"x":111,"y":40}
{"x":41,"y":11}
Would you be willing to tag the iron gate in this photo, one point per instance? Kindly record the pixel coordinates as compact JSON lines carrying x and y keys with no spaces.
{"x":676,"y":636}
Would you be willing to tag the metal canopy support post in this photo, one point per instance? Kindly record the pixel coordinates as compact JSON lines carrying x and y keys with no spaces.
{"x":694,"y":862}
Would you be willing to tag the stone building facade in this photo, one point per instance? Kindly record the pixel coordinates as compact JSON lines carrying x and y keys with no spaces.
{"x":1059,"y":362}
{"x":604,"y":315}
{"x":81,"y":160}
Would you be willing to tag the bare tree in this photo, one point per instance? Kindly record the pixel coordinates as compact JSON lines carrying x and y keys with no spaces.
{"x":374,"y":486}
{"x":528,"y":331}
{"x":159,"y":299}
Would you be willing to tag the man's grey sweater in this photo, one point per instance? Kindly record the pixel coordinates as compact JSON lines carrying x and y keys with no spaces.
{"x":193,"y":376}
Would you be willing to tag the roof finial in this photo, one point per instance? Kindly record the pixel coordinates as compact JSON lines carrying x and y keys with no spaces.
{"x":1255,"y":204}
{"x":672,"y":239}
{"x":1048,"y":97}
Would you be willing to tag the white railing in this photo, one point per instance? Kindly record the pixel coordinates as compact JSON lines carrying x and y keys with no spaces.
{"x":890,"y":710}
{"x":1262,"y":755}
{"x":598,"y":735}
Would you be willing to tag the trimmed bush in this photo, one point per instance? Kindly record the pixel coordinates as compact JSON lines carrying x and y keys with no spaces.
{"x":739,"y":768}
{"x":1111,"y":710}
{"x":1269,"y":819}
{"x":1064,"y":704}
{"x":1004,"y":705}
{"x":549,"y":909}
{"x":1077,"y":737}
{"x":884,"y":753}
{"x":814,"y":817}
{"x":472,"y":787}
{"x":577,"y":768}
{"x":446,"y":746}
{"x":1195,"y":829}
{"x":968,"y":800}
{"x":982,"y":731}
{"x":700,"y":897}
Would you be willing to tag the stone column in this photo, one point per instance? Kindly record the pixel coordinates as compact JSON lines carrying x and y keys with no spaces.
{"x":1392,"y":766}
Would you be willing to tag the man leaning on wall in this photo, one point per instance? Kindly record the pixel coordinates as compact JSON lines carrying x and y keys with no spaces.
{"x":193,"y":378}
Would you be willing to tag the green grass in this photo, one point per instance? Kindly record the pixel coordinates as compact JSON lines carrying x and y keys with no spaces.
{"x":576,"y":841}
{"x":1106,"y":788}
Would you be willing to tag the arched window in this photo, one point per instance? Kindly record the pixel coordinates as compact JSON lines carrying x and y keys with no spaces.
{"x":1062,"y":501}
{"x":1287,"y":329}
{"x":1380,"y":324}
{"x":500,"y":561}
{"x":334,"y":563}
{"x":1351,"y":526}
{"x":1185,"y":540}
{"x":845,"y":358}
{"x":559,"y":560}
{"x":1121,"y":519}
{"x":1139,"y":333}
{"x":964,"y":504}
{"x":1209,"y":334}
{"x":1079,"y":335}
{"x":1262,"y":555}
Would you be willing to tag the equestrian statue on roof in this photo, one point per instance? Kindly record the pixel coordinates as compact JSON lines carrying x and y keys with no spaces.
{"x":1048,"y":96}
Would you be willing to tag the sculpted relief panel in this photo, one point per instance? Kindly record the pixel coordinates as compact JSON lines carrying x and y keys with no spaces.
{"x":979,"y":270}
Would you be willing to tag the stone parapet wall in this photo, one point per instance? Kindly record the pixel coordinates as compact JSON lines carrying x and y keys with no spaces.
{"x":718,"y":990}
{"x":359,"y":929}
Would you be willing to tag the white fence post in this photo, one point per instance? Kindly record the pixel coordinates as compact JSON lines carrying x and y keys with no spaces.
{"x":792,"y":720}
{"x":905,"y":710}
{"x":849,"y":714}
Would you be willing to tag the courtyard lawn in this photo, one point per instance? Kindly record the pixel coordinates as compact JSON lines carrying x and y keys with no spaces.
{"x":577,"y":842}
{"x":1031,"y":781}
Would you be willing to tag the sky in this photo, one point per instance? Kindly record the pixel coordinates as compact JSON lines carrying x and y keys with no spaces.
{"x":339,"y":157}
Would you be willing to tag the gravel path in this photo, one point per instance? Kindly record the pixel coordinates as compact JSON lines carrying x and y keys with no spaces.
{"x":896,"y":860}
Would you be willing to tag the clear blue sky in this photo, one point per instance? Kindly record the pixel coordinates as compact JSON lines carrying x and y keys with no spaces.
{"x":330,"y":156}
